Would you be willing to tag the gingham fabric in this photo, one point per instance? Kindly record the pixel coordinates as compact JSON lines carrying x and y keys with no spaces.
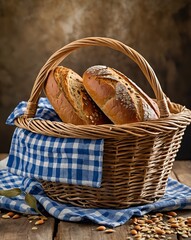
{"x":9,"y":181}
{"x":177,"y":196}
{"x":66,"y":160}
{"x":44,"y":111}
{"x":72,"y":161}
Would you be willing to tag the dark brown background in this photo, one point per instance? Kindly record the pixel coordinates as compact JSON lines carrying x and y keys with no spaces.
{"x":32,"y":30}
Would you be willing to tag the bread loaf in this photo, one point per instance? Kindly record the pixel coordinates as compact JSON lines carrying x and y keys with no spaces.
{"x":118,"y":97}
{"x":65,"y":91}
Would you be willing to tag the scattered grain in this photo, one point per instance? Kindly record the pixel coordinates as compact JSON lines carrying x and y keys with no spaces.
{"x":148,"y":221}
{"x":5,"y":216}
{"x":11,"y":214}
{"x":109,"y":230}
{"x":39,"y":222}
{"x":133,"y":232}
{"x":35,"y":217}
{"x":16,"y":216}
{"x":184,"y":235}
{"x":141,"y":221}
{"x":34,"y":228}
{"x":159,"y":231}
{"x":174,"y":225}
{"x":173,"y":214}
{"x":137,"y":227}
{"x":160,"y":226}
{"x":172,"y":220}
{"x":43,"y":218}
{"x":101,"y":228}
{"x":159,"y":214}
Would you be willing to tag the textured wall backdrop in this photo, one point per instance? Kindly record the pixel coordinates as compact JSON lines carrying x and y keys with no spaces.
{"x":32,"y":30}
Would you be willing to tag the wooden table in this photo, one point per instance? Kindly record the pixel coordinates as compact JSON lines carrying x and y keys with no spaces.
{"x":53,"y":229}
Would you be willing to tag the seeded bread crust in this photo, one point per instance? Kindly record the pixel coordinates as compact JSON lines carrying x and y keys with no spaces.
{"x":61,"y":105}
{"x":70,"y":99}
{"x":117,"y":96}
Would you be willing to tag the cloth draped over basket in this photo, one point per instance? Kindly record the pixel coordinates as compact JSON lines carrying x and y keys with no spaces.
{"x":67,"y":160}
{"x":137,"y":157}
{"x":177,"y":196}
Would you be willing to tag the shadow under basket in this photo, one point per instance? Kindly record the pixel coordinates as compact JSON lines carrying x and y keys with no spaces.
{"x":138,"y":157}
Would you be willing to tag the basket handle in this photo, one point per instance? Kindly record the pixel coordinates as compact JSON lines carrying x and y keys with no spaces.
{"x":62,"y":53}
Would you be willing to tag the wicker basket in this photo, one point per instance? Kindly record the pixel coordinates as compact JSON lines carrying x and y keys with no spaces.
{"x":138,"y":157}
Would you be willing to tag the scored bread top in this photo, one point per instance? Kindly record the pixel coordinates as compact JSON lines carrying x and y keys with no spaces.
{"x":72,"y":87}
{"x":140,"y":93}
{"x":120,"y":99}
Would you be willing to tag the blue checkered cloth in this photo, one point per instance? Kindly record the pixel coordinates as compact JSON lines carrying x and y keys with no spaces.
{"x":177,"y":196}
{"x":66,"y":160}
{"x":44,"y":111}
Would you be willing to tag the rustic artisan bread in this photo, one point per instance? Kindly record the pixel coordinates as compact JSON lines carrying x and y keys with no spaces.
{"x":66,"y":93}
{"x":117,"y":96}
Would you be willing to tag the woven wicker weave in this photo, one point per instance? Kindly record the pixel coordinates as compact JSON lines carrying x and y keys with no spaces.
{"x":138,"y":157}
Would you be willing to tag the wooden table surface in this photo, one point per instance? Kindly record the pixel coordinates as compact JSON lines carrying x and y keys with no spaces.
{"x":53,"y":229}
